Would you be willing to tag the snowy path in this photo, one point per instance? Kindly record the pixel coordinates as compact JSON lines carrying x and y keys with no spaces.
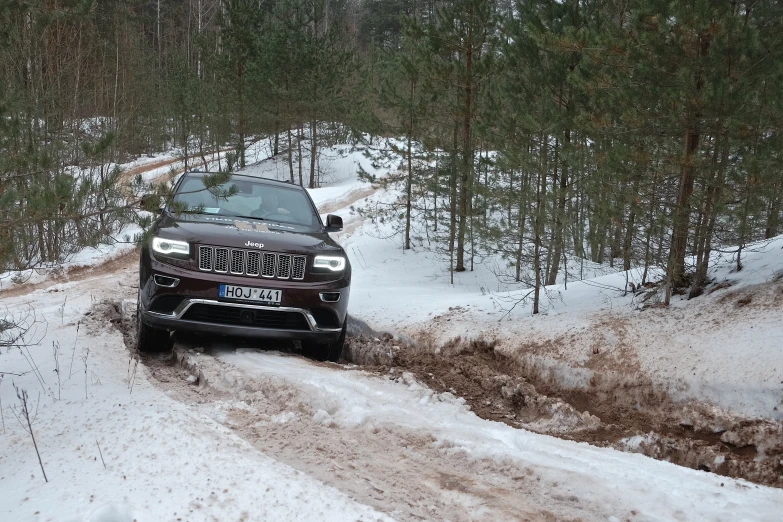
{"x":163,"y":460}
{"x":397,"y":446}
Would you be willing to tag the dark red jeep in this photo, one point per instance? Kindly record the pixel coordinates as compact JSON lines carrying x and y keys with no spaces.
{"x":251,"y":258}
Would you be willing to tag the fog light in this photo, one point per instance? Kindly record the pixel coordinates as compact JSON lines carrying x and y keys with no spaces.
{"x":168,"y":282}
{"x":330,"y":297}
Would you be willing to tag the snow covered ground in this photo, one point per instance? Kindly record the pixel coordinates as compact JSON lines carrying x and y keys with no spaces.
{"x":709,"y":348}
{"x":117,"y":449}
{"x":612,"y":485}
{"x":276,"y":437}
{"x":166,"y":459}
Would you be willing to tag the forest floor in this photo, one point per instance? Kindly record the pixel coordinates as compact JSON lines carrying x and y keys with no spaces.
{"x":453,"y":401}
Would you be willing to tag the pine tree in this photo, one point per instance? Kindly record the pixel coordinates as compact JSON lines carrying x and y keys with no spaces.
{"x":404,"y":90}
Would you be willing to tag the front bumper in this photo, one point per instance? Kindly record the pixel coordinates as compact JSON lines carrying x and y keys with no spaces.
{"x":176,"y":321}
{"x":197,"y":307}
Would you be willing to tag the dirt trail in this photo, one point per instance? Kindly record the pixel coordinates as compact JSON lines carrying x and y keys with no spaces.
{"x":349,"y":199}
{"x":390,"y":468}
{"x":76,"y":273}
{"x":147,"y":167}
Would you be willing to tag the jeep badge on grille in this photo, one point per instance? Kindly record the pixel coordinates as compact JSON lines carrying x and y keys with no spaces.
{"x":254,"y":245}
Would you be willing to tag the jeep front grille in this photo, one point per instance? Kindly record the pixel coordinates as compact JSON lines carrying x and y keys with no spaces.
{"x":251,"y":263}
{"x":221,"y":260}
{"x":238,"y":262}
{"x":269,"y":265}
{"x":283,"y":266}
{"x":205,"y":258}
{"x":299,"y":268}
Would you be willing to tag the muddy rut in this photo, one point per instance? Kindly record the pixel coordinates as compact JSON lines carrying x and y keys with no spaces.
{"x":403,"y":474}
{"x":625,"y":412}
{"x":390,"y":468}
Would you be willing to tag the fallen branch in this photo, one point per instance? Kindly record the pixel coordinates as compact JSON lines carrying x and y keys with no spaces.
{"x":101,"y":453}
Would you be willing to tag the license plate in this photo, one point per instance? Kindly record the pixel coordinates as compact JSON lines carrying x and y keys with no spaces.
{"x":247,"y":293}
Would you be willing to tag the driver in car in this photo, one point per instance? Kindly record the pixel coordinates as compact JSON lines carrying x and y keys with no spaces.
{"x":269,"y":205}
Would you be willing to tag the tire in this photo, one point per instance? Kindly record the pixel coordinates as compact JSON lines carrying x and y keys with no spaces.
{"x":149,"y":339}
{"x":314,"y":350}
{"x":326,"y":352}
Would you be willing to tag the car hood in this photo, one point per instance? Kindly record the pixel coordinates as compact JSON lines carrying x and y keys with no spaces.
{"x":253,"y":234}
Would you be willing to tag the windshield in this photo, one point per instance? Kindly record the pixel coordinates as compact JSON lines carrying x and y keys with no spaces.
{"x":269,"y":202}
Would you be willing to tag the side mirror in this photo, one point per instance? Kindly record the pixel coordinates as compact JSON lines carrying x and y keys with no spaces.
{"x":151,"y":203}
{"x":334,"y":223}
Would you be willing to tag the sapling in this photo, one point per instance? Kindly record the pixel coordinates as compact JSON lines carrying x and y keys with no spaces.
{"x":56,"y":350}
{"x":29,"y":419}
{"x":62,"y":311}
{"x":70,"y":371}
{"x":84,"y":358}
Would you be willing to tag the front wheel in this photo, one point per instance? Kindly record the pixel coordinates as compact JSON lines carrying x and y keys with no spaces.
{"x":326,"y":352}
{"x":149,"y":339}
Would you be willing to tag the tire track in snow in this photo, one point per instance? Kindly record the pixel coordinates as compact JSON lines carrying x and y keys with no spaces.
{"x":403,"y":472}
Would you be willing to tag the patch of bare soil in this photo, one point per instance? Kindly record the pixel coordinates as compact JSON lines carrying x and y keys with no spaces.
{"x":620,"y":410}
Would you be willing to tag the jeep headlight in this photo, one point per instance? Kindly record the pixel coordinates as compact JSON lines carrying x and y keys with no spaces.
{"x":170,"y":247}
{"x":331,"y":263}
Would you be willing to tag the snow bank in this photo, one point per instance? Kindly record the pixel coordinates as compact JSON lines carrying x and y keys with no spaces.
{"x":163,"y":461}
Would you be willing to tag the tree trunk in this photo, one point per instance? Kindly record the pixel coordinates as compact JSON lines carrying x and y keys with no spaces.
{"x":559,"y":237}
{"x":650,"y":225}
{"x":436,"y":191}
{"x":241,"y":100}
{"x":629,"y":227}
{"x":681,"y":221}
{"x":539,"y":222}
{"x":290,"y":155}
{"x":453,"y":200}
{"x":300,"y":131}
{"x":704,"y":210}
{"x":773,"y":214}
{"x":711,"y":207}
{"x":682,"y":211}
{"x":313,"y":151}
{"x":408,"y":190}
{"x":453,"y":190}
{"x":537,"y":243}
{"x":467,"y":153}
{"x":521,"y":221}
{"x":409,"y":178}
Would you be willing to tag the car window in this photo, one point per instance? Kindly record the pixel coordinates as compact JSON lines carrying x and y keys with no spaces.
{"x":276,"y":204}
